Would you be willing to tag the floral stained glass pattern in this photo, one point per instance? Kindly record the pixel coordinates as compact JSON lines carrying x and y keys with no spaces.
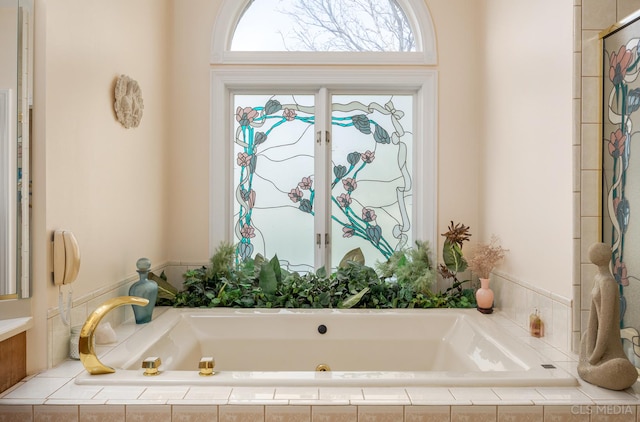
{"x":620,"y":179}
{"x":370,"y":184}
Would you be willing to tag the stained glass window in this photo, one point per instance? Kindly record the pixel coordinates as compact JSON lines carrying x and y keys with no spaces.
{"x":323,"y":25}
{"x":371,"y":190}
{"x":274,"y":153}
{"x":368,"y":168}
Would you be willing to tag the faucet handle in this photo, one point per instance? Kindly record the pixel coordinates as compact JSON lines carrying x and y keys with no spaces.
{"x":206,"y":365}
{"x":151,"y":365}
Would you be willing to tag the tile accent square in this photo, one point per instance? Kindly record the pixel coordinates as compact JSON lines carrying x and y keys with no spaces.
{"x":287,"y":414}
{"x":17,"y":413}
{"x":520,"y":414}
{"x":334,"y":413}
{"x":102,"y":413}
{"x":241,"y":413}
{"x":564,"y":414}
{"x":180,"y":413}
{"x":145,"y":413}
{"x":473,"y":413}
{"x":55,"y":413}
{"x":427,"y":414}
{"x":380,"y":413}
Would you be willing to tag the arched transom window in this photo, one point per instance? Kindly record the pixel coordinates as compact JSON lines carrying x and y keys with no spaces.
{"x":324,"y":25}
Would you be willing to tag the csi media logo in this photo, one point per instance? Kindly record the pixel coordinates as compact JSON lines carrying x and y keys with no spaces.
{"x":611,"y":409}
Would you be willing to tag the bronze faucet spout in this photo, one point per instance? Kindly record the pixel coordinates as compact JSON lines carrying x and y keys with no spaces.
{"x":85,"y":345}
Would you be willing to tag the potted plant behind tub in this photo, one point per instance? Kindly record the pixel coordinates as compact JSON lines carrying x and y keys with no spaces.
{"x":486,"y":256}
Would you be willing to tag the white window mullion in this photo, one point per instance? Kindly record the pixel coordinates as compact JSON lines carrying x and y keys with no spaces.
{"x":322,"y":223}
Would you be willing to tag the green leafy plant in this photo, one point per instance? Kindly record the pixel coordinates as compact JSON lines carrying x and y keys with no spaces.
{"x":166,"y":292}
{"x":257,"y":282}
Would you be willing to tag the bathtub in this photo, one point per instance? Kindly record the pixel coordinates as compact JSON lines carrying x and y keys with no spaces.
{"x":282,"y":347}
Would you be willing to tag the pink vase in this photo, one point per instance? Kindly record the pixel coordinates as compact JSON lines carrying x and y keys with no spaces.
{"x":484,"y":297}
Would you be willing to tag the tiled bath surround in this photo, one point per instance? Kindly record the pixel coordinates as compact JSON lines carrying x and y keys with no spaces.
{"x":54,"y":396}
{"x":517,"y":300}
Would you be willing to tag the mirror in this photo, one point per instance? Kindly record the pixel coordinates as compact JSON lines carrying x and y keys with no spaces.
{"x":16,"y":47}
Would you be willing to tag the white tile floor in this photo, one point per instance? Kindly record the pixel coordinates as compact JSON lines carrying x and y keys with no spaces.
{"x":56,"y":386}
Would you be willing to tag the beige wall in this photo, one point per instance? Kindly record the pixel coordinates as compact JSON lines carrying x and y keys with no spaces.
{"x":8,"y":47}
{"x":8,"y":54}
{"x":527,"y":134}
{"x":92,"y":176}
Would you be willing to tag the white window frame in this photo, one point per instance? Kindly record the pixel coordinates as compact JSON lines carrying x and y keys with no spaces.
{"x":227,"y":80}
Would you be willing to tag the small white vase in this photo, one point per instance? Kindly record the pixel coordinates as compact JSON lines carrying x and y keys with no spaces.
{"x":484,"y":297}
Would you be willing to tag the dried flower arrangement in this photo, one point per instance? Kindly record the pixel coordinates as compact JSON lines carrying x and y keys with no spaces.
{"x":486,"y":257}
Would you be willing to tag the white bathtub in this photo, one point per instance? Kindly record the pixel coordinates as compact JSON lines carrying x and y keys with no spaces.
{"x":434,"y":347}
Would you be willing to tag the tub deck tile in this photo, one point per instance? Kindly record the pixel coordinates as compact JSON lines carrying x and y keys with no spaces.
{"x":257,"y":402}
{"x":385,"y":394}
{"x":513,"y":395}
{"x":37,"y":388}
{"x":433,"y":396}
{"x":320,"y":402}
{"x":479,"y":394}
{"x":296,"y":393}
{"x":375,"y":403}
{"x":252,"y":393}
{"x":208,"y":393}
{"x":597,"y":393}
{"x":164,"y":393}
{"x":73,"y":391}
{"x":57,"y":402}
{"x":561,"y":395}
{"x":121,"y":392}
{"x":341,"y":393}
{"x":134,"y":402}
{"x":198,"y":402}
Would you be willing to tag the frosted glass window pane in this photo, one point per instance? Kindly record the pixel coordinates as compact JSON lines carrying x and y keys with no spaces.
{"x":323,"y":25}
{"x":372,"y":189}
{"x":273,"y":174}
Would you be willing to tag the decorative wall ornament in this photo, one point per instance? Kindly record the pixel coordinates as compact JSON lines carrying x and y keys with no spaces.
{"x":128,"y":105}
